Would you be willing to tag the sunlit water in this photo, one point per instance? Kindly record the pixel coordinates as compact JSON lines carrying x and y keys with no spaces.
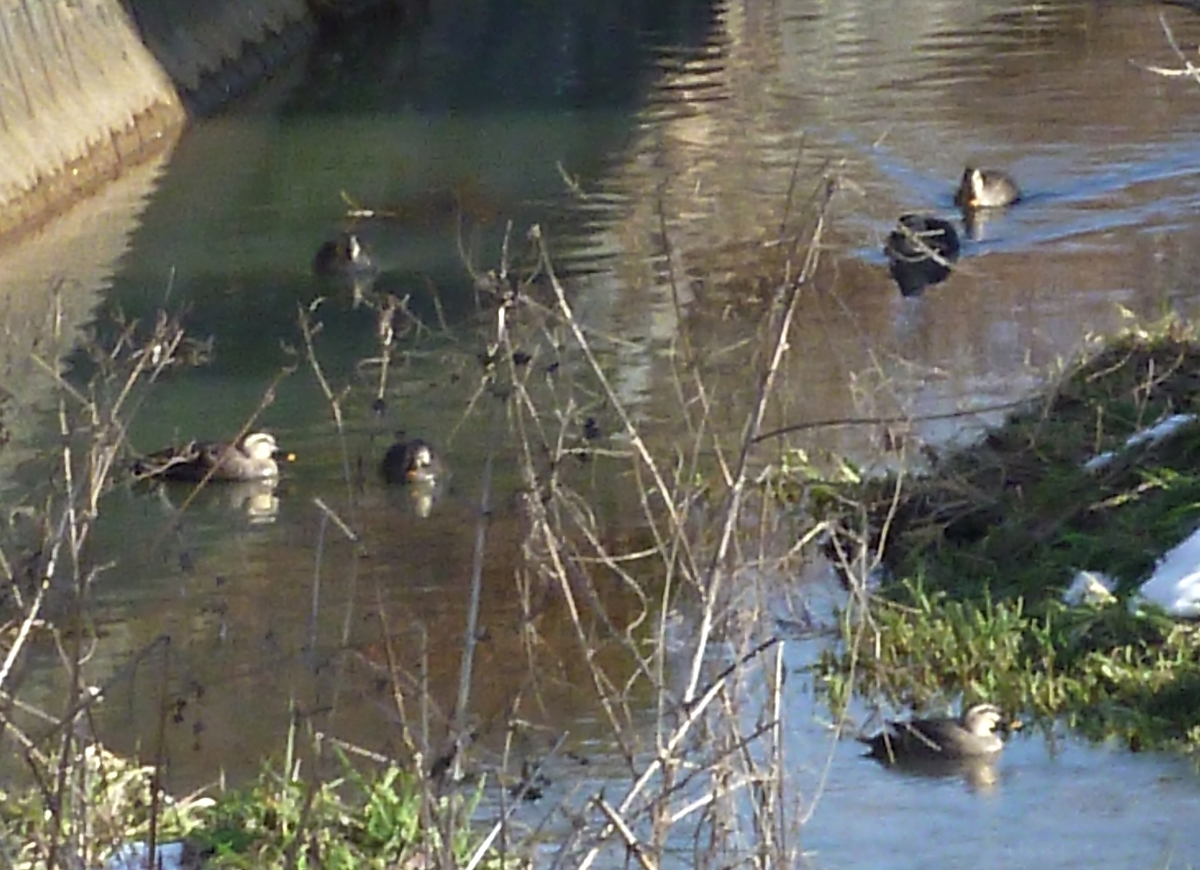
{"x":684,"y":129}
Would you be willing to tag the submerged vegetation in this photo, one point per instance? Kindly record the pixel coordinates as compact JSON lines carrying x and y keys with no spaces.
{"x":975,"y":554}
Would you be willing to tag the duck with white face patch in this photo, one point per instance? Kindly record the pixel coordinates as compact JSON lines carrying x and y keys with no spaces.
{"x":252,"y":458}
{"x":943,"y":738}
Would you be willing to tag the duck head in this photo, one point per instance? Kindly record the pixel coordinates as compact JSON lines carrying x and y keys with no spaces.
{"x":982,"y":719}
{"x":344,"y":255}
{"x":985,"y":188}
{"x":971,"y":187}
{"x":260,"y":446}
{"x":413,"y":462}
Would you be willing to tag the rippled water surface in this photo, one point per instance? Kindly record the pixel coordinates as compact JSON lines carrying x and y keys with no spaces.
{"x":669,"y":155}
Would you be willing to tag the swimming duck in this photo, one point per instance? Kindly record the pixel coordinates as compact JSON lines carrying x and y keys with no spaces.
{"x":970,"y":736}
{"x":344,"y":255}
{"x":253,"y":458}
{"x":985,"y":188}
{"x":412,"y":462}
{"x":920,"y":251}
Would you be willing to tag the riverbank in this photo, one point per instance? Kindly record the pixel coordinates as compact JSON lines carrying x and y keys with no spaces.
{"x":977,"y":590}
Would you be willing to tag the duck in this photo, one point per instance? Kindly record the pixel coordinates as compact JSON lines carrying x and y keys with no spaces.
{"x":252,"y":458}
{"x":344,"y":255}
{"x":985,"y":188}
{"x":945,"y":738}
{"x":920,"y":252}
{"x":412,"y":462}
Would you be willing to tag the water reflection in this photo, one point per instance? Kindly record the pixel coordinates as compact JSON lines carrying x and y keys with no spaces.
{"x":979,"y":774}
{"x":255,"y":500}
{"x":50,"y":285}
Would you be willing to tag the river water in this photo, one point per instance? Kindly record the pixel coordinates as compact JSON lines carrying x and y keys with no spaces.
{"x":656,"y":148}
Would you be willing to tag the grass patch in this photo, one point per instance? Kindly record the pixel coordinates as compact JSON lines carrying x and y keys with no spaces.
{"x":379,"y":820}
{"x":979,"y":550}
{"x":113,"y":801}
{"x":284,"y":818}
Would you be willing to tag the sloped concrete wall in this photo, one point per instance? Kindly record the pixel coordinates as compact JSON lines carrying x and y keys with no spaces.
{"x":90,"y":87}
{"x":79,"y":96}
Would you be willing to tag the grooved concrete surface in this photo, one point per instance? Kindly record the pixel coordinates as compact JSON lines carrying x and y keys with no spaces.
{"x":90,"y":87}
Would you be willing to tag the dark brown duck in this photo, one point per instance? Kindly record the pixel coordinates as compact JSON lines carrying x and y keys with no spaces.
{"x":920,"y":252}
{"x":411,"y":462}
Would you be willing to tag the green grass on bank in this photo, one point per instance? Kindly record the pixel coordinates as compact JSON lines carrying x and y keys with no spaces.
{"x":286,"y":817}
{"x":384,"y":820}
{"x":979,"y":550}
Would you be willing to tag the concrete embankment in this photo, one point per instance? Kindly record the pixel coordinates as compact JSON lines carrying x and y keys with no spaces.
{"x":90,"y":87}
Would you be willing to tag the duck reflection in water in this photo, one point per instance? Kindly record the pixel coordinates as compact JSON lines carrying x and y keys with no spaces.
{"x":255,"y":499}
{"x":975,"y":223}
{"x":979,"y":774}
{"x":920,"y":252}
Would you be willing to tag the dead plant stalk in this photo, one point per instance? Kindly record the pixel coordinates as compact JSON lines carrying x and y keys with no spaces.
{"x":786,"y":307}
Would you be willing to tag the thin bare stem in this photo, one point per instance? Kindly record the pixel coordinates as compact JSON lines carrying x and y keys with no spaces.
{"x":714,"y":574}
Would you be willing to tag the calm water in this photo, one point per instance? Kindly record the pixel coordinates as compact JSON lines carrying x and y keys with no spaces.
{"x":694,"y":119}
